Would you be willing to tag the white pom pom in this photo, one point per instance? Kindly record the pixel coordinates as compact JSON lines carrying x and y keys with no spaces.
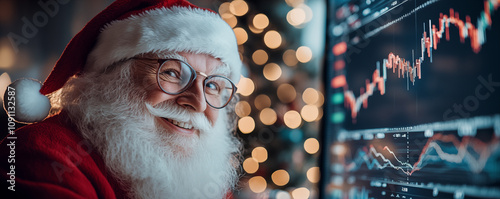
{"x":24,"y":102}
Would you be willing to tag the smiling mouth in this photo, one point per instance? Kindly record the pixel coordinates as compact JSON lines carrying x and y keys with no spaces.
{"x":183,"y":125}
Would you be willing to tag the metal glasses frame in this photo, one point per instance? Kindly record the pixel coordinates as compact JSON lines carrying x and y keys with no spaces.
{"x":194,"y":75}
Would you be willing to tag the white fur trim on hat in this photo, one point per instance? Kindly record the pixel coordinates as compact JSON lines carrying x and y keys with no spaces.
{"x":24,"y":102}
{"x":174,"y":29}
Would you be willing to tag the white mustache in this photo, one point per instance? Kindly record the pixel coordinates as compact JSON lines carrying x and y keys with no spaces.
{"x":171,"y":111}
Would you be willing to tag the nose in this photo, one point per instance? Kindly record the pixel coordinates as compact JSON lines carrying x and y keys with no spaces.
{"x":193,"y":98}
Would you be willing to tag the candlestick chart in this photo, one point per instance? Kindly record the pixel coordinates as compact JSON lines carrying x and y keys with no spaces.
{"x":413,"y":91}
{"x":410,"y":68}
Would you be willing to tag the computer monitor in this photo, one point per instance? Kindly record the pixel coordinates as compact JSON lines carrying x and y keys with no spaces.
{"x":412,"y":92}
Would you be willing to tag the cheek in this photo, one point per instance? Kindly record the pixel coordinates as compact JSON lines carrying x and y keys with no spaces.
{"x":212,"y":114}
{"x":156,"y":97}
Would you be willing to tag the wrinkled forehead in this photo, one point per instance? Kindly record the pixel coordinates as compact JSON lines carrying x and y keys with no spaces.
{"x":219,"y":69}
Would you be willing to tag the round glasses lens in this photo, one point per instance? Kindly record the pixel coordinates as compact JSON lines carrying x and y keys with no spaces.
{"x":218,"y":91}
{"x":174,"y":76}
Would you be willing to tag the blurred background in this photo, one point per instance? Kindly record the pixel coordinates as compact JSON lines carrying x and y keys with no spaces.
{"x":281,"y":43}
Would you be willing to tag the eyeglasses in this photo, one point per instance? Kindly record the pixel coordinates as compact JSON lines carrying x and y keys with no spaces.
{"x":176,"y":76}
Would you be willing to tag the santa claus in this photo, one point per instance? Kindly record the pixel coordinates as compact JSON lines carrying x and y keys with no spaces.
{"x":142,"y":99}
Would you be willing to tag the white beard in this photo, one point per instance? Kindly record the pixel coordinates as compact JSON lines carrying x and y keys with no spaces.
{"x":146,"y":159}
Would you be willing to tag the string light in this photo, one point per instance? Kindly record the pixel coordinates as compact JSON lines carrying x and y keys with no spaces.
{"x":260,"y":57}
{"x":7,"y":55}
{"x":255,"y":30}
{"x":241,"y":35}
{"x":224,"y":8}
{"x":272,"y":71}
{"x":321,"y":99}
{"x":259,"y":154}
{"x":290,"y":58}
{"x":250,"y":165}
{"x":4,"y":83}
{"x":262,"y":101}
{"x":309,"y":113}
{"x":230,"y":19}
{"x":311,"y":145}
{"x":268,"y":116}
{"x":246,"y":124}
{"x":292,"y":119}
{"x":238,"y":7}
{"x":280,"y":177}
{"x":272,"y":39}
{"x":245,"y":86}
{"x":257,"y":184}
{"x":301,"y":193}
{"x":310,"y":96}
{"x":294,"y":3}
{"x":242,"y":109}
{"x":260,"y":21}
{"x":296,"y":17}
{"x":304,"y":54}
{"x":320,"y":114}
{"x":286,"y":93}
{"x":283,"y":195}
{"x":313,"y":174}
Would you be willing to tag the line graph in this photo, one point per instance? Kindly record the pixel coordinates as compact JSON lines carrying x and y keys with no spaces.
{"x":411,"y":68}
{"x":470,"y":152}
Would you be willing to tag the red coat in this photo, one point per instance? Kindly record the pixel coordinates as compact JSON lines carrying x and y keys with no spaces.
{"x":50,"y":160}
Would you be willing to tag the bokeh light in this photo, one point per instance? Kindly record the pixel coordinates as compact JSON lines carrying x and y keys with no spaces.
{"x":296,"y":16}
{"x":241,"y":35}
{"x":301,"y":193}
{"x":246,"y":124}
{"x":310,"y":96}
{"x":304,"y":54}
{"x":259,"y":154}
{"x":245,"y":86}
{"x":321,"y":99}
{"x":272,"y":71}
{"x":260,"y":57}
{"x":268,"y":116}
{"x":260,"y":21}
{"x":230,"y":19}
{"x":320,"y":114}
{"x":4,"y":83}
{"x":238,"y":7}
{"x":224,"y":8}
{"x":282,"y":195}
{"x":313,"y":174}
{"x":309,"y":113}
{"x":250,"y":165}
{"x":290,"y":57}
{"x":7,"y":55}
{"x":272,"y":39}
{"x":294,"y":3}
{"x":311,"y":145}
{"x":292,"y":119}
{"x":280,"y":177}
{"x":257,"y":184}
{"x":286,"y":93}
{"x":242,"y":109}
{"x":262,"y":101}
{"x":255,"y":30}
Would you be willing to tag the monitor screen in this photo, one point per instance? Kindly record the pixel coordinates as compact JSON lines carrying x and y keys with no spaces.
{"x":413,"y":92}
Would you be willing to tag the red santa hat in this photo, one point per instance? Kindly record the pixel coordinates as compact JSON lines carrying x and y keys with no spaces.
{"x":125,"y":29}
